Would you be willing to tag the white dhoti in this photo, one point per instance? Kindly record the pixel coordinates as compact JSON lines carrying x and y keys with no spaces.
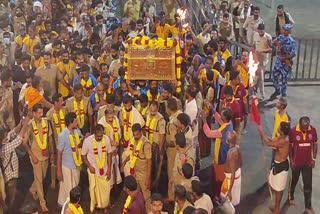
{"x":236,"y":188}
{"x":125,"y":154}
{"x":99,"y":189}
{"x":70,"y":180}
{"x":278,"y":181}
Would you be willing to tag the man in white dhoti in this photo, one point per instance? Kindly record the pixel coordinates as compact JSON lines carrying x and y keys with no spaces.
{"x":231,"y":186}
{"x":280,"y":166}
{"x":97,"y":156}
{"x":68,"y":157}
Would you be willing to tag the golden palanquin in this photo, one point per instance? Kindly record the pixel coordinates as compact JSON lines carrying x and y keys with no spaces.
{"x":151,"y":63}
{"x":153,"y":59}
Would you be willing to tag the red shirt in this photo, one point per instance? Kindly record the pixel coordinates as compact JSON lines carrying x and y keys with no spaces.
{"x":235,"y":109}
{"x":240,"y":93}
{"x":302,"y":144}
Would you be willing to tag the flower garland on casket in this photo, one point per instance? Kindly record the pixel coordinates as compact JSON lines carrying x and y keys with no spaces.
{"x":158,"y":42}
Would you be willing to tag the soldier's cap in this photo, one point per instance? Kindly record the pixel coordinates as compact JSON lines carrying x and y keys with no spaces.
{"x":287,"y":27}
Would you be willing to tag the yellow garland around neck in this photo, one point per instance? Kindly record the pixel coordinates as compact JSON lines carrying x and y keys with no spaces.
{"x":176,"y":210}
{"x":150,"y":97}
{"x":41,"y":143}
{"x":150,"y":127}
{"x":74,"y":209}
{"x":142,"y":111}
{"x":97,"y":98}
{"x":79,"y":111}
{"x":74,"y":145}
{"x":86,"y":84}
{"x":126,"y":205}
{"x":100,"y":162}
{"x":127,"y":124}
{"x":115,"y":130}
{"x":59,"y":125}
{"x":134,"y":152}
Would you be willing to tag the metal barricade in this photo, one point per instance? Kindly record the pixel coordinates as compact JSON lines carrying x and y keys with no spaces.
{"x":306,"y":64}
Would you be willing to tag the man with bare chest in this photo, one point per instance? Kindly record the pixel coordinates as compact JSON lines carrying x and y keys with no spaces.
{"x":231,"y":186}
{"x":280,"y":166}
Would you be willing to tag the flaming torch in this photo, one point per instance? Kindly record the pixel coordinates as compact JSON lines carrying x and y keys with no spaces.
{"x":253,"y":66}
{"x":182,"y":13}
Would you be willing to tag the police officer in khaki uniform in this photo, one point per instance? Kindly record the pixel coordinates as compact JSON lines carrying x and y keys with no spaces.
{"x":184,"y":155}
{"x":142,"y":165}
{"x":167,"y":93}
{"x":183,"y":124}
{"x":55,"y":117}
{"x":171,"y":131}
{"x":39,"y":128}
{"x":155,"y":131}
{"x":83,"y":106}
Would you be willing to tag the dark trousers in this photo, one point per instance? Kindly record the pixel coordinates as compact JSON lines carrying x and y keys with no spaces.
{"x":306,"y":172}
{"x":11,"y":189}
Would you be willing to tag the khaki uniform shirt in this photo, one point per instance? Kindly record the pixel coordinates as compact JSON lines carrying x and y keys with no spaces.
{"x":49,"y":78}
{"x":49,"y":116}
{"x":144,"y":153}
{"x":6,"y":98}
{"x":172,"y":129}
{"x":178,"y":163}
{"x":160,"y":128}
{"x":88,"y":111}
{"x":32,"y":140}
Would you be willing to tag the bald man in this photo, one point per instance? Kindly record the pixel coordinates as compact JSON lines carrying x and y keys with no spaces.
{"x":98,"y":99}
{"x":231,"y":186}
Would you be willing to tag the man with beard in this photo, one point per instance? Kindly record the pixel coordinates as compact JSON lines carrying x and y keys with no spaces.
{"x":85,"y":31}
{"x":100,"y":27}
{"x":128,"y":116}
{"x":56,"y":51}
{"x":282,"y":18}
{"x":50,"y":76}
{"x":162,"y":29}
{"x":107,"y":82}
{"x":230,"y":102}
{"x":240,"y":95}
{"x":20,"y":35}
{"x":18,"y":20}
{"x":80,"y":105}
{"x":86,"y":79}
{"x":68,"y":168}
{"x":68,"y":71}
{"x":225,"y":58}
{"x":154,"y":91}
{"x":117,"y":63}
{"x":252,"y":23}
{"x":37,"y":59}
{"x":163,"y":104}
{"x":243,"y":67}
{"x":43,"y":36}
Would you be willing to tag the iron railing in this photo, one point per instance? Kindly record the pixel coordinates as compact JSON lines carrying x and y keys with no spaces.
{"x":306,"y":64}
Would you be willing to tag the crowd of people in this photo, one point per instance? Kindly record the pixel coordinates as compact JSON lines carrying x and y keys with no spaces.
{"x":66,"y":103}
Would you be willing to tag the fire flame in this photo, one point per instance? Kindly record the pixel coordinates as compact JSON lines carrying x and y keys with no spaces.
{"x":253,"y":66}
{"x":182,"y":13}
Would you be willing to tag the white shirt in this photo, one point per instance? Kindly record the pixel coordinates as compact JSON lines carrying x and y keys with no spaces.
{"x":191,"y":110}
{"x":87,"y":150}
{"x":103,"y":122}
{"x":204,"y":202}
